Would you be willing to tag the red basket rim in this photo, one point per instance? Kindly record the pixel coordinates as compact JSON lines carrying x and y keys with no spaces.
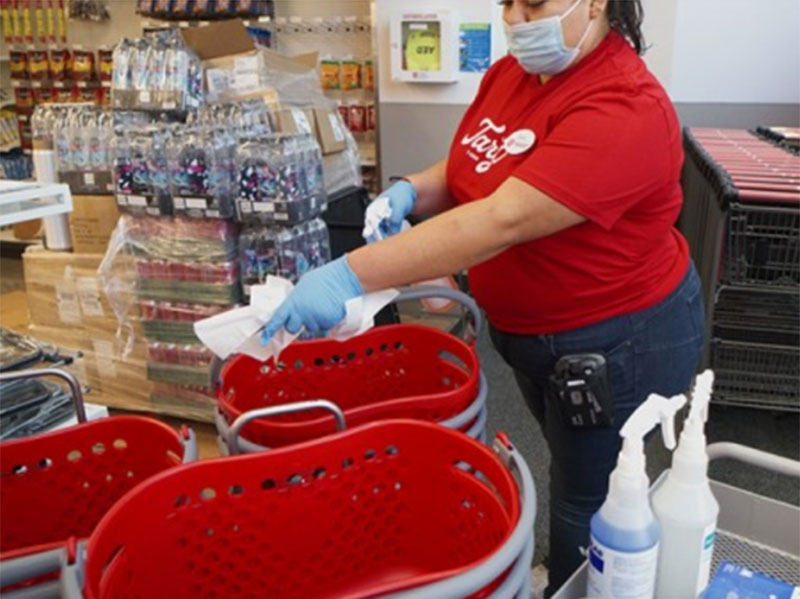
{"x":94,"y":570}
{"x":231,"y":412}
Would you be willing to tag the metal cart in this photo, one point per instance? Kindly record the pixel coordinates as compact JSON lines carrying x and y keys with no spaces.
{"x":753,"y":531}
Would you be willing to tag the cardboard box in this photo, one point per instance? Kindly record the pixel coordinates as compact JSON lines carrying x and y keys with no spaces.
{"x":236,"y":70}
{"x":64,"y":291}
{"x":92,"y":222}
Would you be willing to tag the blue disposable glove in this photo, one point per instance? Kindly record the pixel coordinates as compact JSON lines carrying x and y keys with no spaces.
{"x":317,"y":302}
{"x":402,"y":198}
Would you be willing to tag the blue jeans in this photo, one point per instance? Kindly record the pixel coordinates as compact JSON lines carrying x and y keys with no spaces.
{"x":654,"y":350}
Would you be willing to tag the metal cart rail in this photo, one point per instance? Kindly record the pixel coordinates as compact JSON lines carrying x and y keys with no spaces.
{"x":753,"y":531}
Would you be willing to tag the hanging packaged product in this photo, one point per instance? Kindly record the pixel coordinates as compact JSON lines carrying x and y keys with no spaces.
{"x":18,"y":64}
{"x":330,"y":72}
{"x":16,"y":22}
{"x":24,"y":97}
{"x":38,"y":65}
{"x":358,"y":119}
{"x":344,"y":112}
{"x":351,"y":75}
{"x":105,"y":64}
{"x":5,"y":21}
{"x":369,"y":76}
{"x":371,"y":117}
{"x":24,"y":6}
{"x":82,"y":64}
{"x":201,"y":8}
{"x":40,"y":20}
{"x":161,"y":8}
{"x":61,"y":21}
{"x":225,"y":8}
{"x":50,"y":17}
{"x":181,"y":8}
{"x":280,"y":179}
{"x":58,"y":64}
{"x":144,"y":7}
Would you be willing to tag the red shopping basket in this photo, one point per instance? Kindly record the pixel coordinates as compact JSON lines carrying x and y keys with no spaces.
{"x":384,"y":507}
{"x":395,"y":371}
{"x":58,"y":485}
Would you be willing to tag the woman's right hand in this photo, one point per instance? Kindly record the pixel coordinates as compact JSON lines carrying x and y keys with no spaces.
{"x":401,"y":199}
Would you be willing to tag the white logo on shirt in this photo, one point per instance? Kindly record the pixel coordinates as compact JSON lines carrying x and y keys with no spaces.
{"x":487,"y":147}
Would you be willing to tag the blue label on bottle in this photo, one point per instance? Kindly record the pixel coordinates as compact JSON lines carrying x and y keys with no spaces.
{"x":596,"y":559}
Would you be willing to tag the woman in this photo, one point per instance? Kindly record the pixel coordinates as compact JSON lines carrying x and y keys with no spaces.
{"x":559,"y":195}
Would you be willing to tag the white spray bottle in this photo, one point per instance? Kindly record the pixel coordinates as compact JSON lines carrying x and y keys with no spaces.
{"x":686,"y":508}
{"x":625,"y":534}
{"x":379,"y":211}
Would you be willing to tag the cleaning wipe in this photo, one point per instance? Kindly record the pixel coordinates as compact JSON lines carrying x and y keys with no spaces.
{"x":736,"y":582}
{"x":239,"y":330}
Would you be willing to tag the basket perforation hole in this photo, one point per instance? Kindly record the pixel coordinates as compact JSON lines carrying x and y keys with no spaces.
{"x":398,"y":345}
{"x":392,"y":450}
{"x":181,"y":501}
{"x":129,"y":474}
{"x":369,"y":351}
{"x":280,"y":366}
{"x":209,"y":533}
{"x":208,"y":494}
{"x":398,"y":485}
{"x":369,"y":454}
{"x":351,"y":356}
{"x":347,"y":463}
{"x":86,"y":484}
{"x":120,"y":444}
{"x":235,"y":490}
{"x":318,"y":361}
{"x":264,"y":369}
{"x":335,"y":359}
{"x":295,"y":479}
{"x":319,"y":472}
{"x":267,"y":484}
{"x":19,"y":469}
{"x":45,"y":463}
{"x":384,"y":346}
{"x":109,"y":478}
{"x":98,"y":448}
{"x":74,"y":455}
{"x":299,"y":364}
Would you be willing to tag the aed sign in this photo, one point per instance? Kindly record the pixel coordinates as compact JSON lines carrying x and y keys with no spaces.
{"x":424,"y":46}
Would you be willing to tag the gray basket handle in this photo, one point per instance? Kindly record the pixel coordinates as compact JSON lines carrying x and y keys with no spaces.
{"x":30,"y":566}
{"x":755,"y":457}
{"x":459,"y":420}
{"x":472,"y":581}
{"x":189,"y":442}
{"x":472,"y":329}
{"x":45,"y":590}
{"x":74,"y":385}
{"x":291,"y":408}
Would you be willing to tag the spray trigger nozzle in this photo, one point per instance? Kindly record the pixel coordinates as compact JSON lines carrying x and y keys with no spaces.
{"x":655,"y":410}
{"x":701,"y":396}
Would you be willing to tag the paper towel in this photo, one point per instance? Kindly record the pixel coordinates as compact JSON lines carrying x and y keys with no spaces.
{"x":239,"y":330}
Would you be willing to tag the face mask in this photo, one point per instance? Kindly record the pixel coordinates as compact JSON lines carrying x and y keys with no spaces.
{"x":539,"y":45}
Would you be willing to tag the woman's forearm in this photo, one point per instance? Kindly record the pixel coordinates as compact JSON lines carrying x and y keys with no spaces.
{"x":433,"y":196}
{"x":461,"y":237}
{"x":442,"y":245}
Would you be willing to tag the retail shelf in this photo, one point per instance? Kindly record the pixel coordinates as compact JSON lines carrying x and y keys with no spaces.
{"x":21,"y":201}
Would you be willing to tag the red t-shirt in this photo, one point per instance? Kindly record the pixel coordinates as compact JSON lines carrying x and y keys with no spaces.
{"x":603,"y":139}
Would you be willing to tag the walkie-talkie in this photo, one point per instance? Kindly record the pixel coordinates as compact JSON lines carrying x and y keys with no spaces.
{"x":583,"y":392}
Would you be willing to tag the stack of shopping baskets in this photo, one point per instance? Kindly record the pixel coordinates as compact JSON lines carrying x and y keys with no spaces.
{"x":57,"y":486}
{"x":742,"y":219}
{"x":393,"y":509}
{"x":394,"y":371}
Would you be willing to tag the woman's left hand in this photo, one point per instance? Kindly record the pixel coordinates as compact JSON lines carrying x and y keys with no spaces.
{"x":317,"y":303}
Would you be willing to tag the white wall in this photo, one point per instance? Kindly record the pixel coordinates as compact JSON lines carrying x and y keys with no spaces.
{"x":462,"y":92}
{"x":726,"y":51}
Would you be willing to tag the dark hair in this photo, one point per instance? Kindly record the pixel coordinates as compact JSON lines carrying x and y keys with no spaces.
{"x":626,"y":17}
